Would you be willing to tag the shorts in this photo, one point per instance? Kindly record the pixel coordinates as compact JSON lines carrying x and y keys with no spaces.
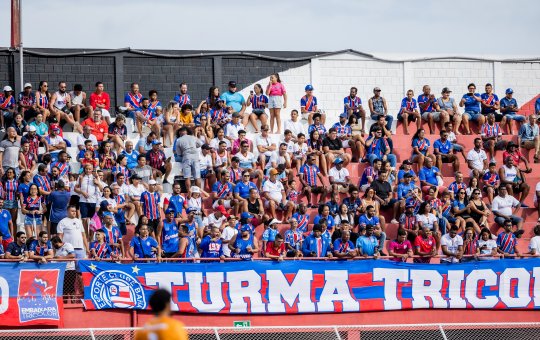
{"x":53,"y":228}
{"x":6,"y":242}
{"x":226,"y":203}
{"x":191,"y":168}
{"x":499,"y":145}
{"x":275,"y":102}
{"x":258,"y":112}
{"x":410,"y":117}
{"x":345,"y":143}
{"x":317,"y":190}
{"x":446,"y":158}
{"x":495,"y":193}
{"x":280,"y":206}
{"x":515,"y":220}
{"x":121,"y":226}
{"x":515,"y":117}
{"x":204,"y":173}
{"x":457,"y":147}
{"x":11,"y":204}
{"x":153,"y":223}
{"x":498,"y":117}
{"x":28,"y":220}
{"x":87,"y":209}
{"x":472,"y":115}
{"x":435,"y":114}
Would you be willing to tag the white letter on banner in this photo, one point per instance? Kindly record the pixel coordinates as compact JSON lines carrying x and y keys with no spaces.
{"x":455,"y":278}
{"x":214,"y":281}
{"x":165,"y":280}
{"x":523,"y":278}
{"x":279,"y":291}
{"x":536,"y":287}
{"x":4,"y":295}
{"x":391,"y":276}
{"x":336,"y":288}
{"x":237,"y":292}
{"x":420,"y":291}
{"x":471,"y":288}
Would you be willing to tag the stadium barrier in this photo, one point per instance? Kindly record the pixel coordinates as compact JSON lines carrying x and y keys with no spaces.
{"x":458,"y":331}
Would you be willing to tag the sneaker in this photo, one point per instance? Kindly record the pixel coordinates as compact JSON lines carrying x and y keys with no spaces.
{"x":394,"y":221}
{"x":519,"y":233}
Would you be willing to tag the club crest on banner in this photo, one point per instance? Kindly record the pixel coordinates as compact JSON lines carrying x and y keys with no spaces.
{"x":117,"y":289}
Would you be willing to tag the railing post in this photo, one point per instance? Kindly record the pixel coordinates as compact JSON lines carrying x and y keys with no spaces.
{"x":92,"y":334}
{"x":216,"y":333}
{"x":442,"y":332}
{"x":338,"y":337}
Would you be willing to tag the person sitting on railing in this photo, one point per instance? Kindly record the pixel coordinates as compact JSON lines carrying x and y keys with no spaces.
{"x":315,"y":245}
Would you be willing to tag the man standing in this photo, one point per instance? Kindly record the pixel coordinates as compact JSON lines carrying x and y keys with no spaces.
{"x":71,"y":230}
{"x":353,"y":106}
{"x":150,"y":204}
{"x":187,"y":147}
{"x":9,"y":151}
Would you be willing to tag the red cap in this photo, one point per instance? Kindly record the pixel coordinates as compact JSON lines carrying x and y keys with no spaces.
{"x":222,"y":210}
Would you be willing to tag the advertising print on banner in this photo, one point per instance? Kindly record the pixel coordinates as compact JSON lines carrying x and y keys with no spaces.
{"x":260,"y":287}
{"x":31,"y":294}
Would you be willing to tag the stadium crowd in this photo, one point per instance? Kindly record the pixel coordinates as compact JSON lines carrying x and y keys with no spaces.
{"x":81,"y":204}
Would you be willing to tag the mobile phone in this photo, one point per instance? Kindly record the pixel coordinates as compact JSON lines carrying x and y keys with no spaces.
{"x":470,"y":94}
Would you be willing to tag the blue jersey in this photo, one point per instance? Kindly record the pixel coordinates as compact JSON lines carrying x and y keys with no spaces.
{"x":310,"y":174}
{"x":320,"y":127}
{"x":353,"y":103}
{"x":368,"y":245}
{"x":258,"y":102}
{"x":343,"y":247}
{"x":491,"y":178}
{"x":378,"y":147}
{"x":113,"y":235}
{"x":176,"y":202}
{"x":342,"y":130}
{"x":222,"y":190}
{"x":454,"y":187}
{"x":191,"y":248}
{"x":211,"y":249}
{"x":404,"y":189}
{"x":429,"y":175}
{"x":269,"y":234}
{"x":40,"y":249}
{"x":134,"y":100}
{"x":102,"y":250}
{"x":408,"y":105}
{"x":309,"y":103}
{"x":507,"y":242}
{"x":421,"y":144}
{"x":169,"y":237}
{"x":505,"y":102}
{"x":294,"y":238}
{"x":444,"y":147}
{"x":242,"y":189}
{"x":364,"y":221}
{"x":5,"y":218}
{"x":242,"y":244}
{"x":150,"y":204}
{"x":368,"y":172}
{"x":120,"y":216}
{"x":182,"y":99}
{"x":329,"y":219}
{"x":471,"y":105}
{"x":131,"y":158}
{"x":320,"y":246}
{"x":234,"y":99}
{"x":401,"y":174}
{"x":192,"y":230}
{"x":422,"y":100}
{"x":143,"y":247}
{"x":303,"y":221}
{"x":489,"y":99}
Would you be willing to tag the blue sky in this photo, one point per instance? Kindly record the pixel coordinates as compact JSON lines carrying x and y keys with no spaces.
{"x":417,"y":27}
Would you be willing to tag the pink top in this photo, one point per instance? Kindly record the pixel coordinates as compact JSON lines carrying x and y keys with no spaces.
{"x":277,"y":89}
{"x":399,"y":248}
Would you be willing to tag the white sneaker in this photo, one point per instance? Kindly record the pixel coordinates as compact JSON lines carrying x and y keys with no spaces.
{"x":394,"y":221}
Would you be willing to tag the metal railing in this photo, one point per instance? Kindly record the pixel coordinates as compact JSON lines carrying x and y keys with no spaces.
{"x":458,"y":331}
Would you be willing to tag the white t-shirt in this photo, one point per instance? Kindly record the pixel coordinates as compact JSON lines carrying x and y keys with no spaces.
{"x":246,"y":162}
{"x":265,"y":141}
{"x":536,"y":190}
{"x":86,"y":184}
{"x":295,"y":127}
{"x":427,"y":221}
{"x":452,"y":244}
{"x":81,"y":139}
{"x":504,"y":205}
{"x":72,"y":228}
{"x":338,"y":175}
{"x":535,"y":244}
{"x":66,"y":250}
{"x":274,"y":190}
{"x":231,"y":130}
{"x":205,"y":161}
{"x":136,"y":191}
{"x":55,"y":140}
{"x":290,"y":146}
{"x":227,"y":234}
{"x":477,"y":158}
{"x":490,"y":244}
{"x":214,"y":143}
{"x":276,"y":158}
{"x":211,"y":219}
{"x":300,"y":150}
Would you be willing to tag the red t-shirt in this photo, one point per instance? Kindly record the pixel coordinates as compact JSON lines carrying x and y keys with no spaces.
{"x":102,"y":99}
{"x":516,"y":156}
{"x":273,"y":251}
{"x":98,"y":130}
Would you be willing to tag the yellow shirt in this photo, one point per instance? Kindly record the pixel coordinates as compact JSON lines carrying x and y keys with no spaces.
{"x":186,"y":119}
{"x":162,"y":328}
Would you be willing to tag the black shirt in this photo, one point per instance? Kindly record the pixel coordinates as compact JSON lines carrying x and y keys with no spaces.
{"x":335,"y":144}
{"x":382,"y":189}
{"x":16,"y":250}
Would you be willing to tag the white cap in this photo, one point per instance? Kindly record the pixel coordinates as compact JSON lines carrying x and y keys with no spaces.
{"x":32,"y":128}
{"x":195,"y":189}
{"x":152,"y":182}
{"x":27,"y":85}
{"x":273,"y":221}
{"x":7,"y":88}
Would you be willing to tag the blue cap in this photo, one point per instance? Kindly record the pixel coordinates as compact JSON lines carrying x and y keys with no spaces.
{"x":309,"y":87}
{"x":169,"y":210}
{"x":156,"y":142}
{"x":509,"y":90}
{"x":338,"y":160}
{"x":108,"y":213}
{"x":191,"y":209}
{"x":245,"y":227}
{"x":343,"y":115}
{"x":245,"y":214}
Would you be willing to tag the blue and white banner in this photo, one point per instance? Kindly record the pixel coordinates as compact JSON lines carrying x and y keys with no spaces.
{"x":314,"y":286}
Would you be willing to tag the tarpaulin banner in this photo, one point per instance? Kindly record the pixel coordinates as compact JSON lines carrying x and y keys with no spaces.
{"x":31,"y":294}
{"x":314,"y":286}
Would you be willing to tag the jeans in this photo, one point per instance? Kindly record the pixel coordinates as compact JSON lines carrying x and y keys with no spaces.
{"x":390,"y":157}
{"x":389,"y":119}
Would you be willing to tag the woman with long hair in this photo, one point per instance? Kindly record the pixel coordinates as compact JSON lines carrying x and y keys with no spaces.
{"x":420,"y":148}
{"x":478,"y":210}
{"x":213,"y":96}
{"x":344,"y":215}
{"x":171,"y":122}
{"x":369,"y":199}
{"x":259,"y":102}
{"x":277,"y":100}
{"x":11,"y":187}
{"x":107,"y":160}
{"x":42,"y":99}
{"x":315,"y":147}
{"x":33,"y":207}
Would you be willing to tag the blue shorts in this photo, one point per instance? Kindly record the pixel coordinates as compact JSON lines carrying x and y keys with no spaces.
{"x":516,"y":117}
{"x":10,"y":204}
{"x":457,"y":147}
{"x":30,"y":220}
{"x":87,"y":209}
{"x":472,"y":115}
{"x":204,"y":173}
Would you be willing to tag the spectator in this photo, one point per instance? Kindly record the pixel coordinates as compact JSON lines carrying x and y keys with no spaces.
{"x":236,"y":102}
{"x":370,"y":174}
{"x":457,"y":147}
{"x":368,"y":244}
{"x":477,"y":160}
{"x":161,"y":165}
{"x":212,"y":245}
{"x":98,"y":126}
{"x":60,"y":105}
{"x":293,"y":239}
{"x":514,"y":181}
{"x":509,"y":110}
{"x":339,"y":177}
{"x":505,"y":208}
{"x":233,"y":127}
{"x":458,"y":184}
{"x":87,"y":135}
{"x":409,"y":112}
{"x":33,"y":207}
{"x":420,"y":148}
{"x":353,"y":107}
{"x":274,"y":193}
{"x":88,"y":187}
{"x":317,"y":125}
{"x":245,"y":246}
{"x":378,"y":107}
{"x":377,"y":147}
{"x":265,"y":146}
{"x":490,"y":104}
{"x":59,"y":201}
{"x":6,"y":225}
{"x":270,"y":233}
{"x":452,"y":246}
{"x":17,"y":249}
{"x":278,"y":99}
{"x":27,"y":103}
{"x":71,"y":230}
{"x":492,"y":136}
{"x":187,"y":149}
{"x":442,"y":148}
{"x":507,"y":241}
{"x":429,"y":109}
{"x":529,"y":137}
{"x":222,"y":193}
{"x":400,"y":249}
{"x":491,"y":182}
{"x":78,"y":102}
{"x":259,"y":102}
{"x":486,"y":247}
{"x":343,"y":247}
{"x":384,"y":193}
{"x":315,"y":147}
{"x":254,"y":206}
{"x":247,"y":161}
{"x":99,"y":249}
{"x":117,"y":132}
{"x":333,"y":149}
{"x":308,"y":106}
{"x":534,"y":243}
{"x":9,"y":151}
{"x":425,"y":246}
{"x":324,"y":213}
{"x":8,"y":105}
{"x":316,"y":246}
{"x":144,"y":246}
{"x":40,"y":128}
{"x":42,"y":99}
{"x":471,"y":101}
{"x":308,"y":175}
{"x":513,"y":151}
{"x":294,"y":125}
{"x":478,"y":210}
{"x":430,"y":176}
{"x":133,"y":100}
{"x":100,"y":99}
{"x":182,"y":97}
{"x":113,"y":235}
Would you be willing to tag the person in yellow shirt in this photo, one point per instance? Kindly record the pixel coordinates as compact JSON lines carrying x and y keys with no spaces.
{"x":186,"y":116}
{"x":162,"y":326}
